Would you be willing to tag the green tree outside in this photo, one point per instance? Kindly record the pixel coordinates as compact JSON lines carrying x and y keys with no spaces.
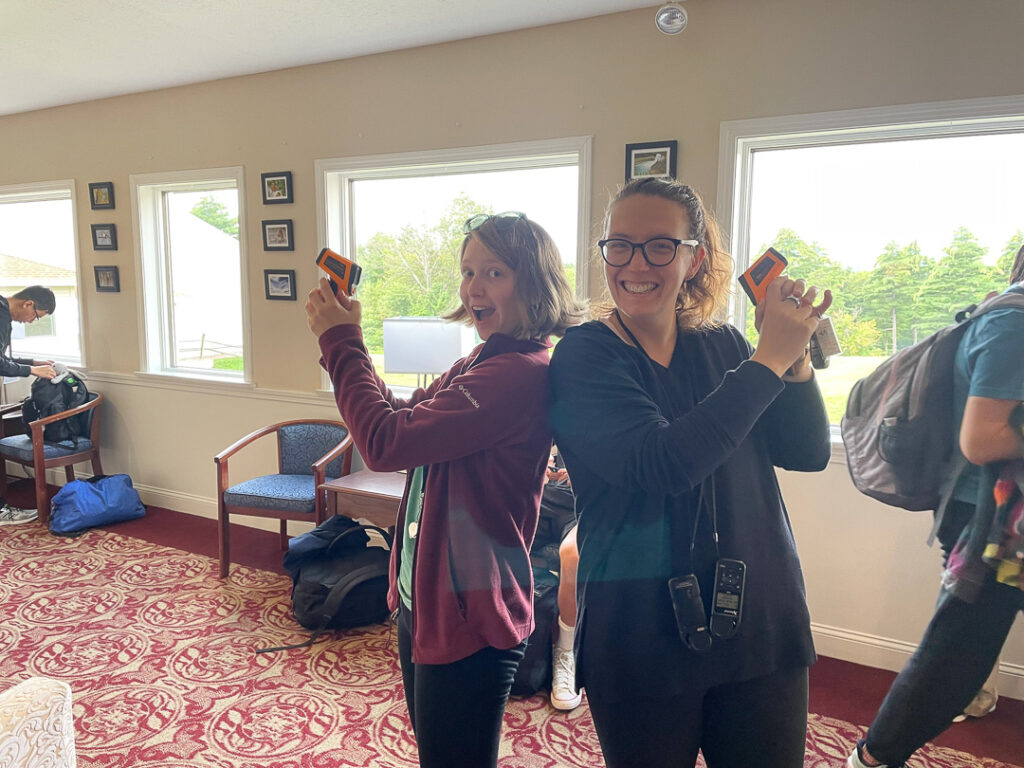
{"x":216,"y":214}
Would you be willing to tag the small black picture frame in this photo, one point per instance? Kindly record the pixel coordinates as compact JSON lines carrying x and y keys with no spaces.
{"x":277,"y":187}
{"x":101,"y":195}
{"x":651,"y":160}
{"x":279,"y":284}
{"x":104,"y":237}
{"x":277,"y":235}
{"x":108,"y":280}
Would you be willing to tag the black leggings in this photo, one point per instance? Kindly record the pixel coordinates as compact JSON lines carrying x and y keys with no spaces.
{"x":456,"y":709}
{"x":956,"y":654}
{"x":760,"y":722}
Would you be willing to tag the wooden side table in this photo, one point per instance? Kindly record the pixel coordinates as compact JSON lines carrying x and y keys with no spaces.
{"x":375,"y":496}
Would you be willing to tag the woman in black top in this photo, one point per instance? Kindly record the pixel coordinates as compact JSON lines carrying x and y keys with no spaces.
{"x":671,"y":426}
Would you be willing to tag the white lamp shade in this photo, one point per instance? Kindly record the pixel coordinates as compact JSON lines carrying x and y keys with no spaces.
{"x":424,"y":344}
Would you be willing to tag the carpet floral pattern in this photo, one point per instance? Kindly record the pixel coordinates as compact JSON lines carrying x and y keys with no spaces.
{"x":161,"y":658}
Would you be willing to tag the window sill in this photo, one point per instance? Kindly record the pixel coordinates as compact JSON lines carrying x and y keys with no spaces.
{"x":196,"y":382}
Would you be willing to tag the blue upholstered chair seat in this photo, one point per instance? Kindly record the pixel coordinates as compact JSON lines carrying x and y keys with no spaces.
{"x":295,"y":493}
{"x":19,"y":447}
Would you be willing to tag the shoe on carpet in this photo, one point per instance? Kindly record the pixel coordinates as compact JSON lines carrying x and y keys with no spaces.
{"x":855,"y":761}
{"x":983,"y":703}
{"x":564,"y":695}
{"x":14,"y":515}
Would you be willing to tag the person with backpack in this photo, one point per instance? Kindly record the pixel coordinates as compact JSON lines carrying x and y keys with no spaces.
{"x":976,"y":607}
{"x":26,"y":306}
{"x":671,"y":426}
{"x":475,"y":444}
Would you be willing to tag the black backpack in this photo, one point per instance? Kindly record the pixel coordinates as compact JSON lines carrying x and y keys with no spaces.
{"x":337,"y":580}
{"x":898,"y":428}
{"x":50,"y":397}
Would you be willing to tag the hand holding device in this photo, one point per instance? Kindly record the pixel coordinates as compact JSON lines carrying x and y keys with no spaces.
{"x":343,"y":273}
{"x":754,"y":281}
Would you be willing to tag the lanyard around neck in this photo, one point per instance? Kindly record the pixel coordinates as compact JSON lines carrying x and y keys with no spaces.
{"x":708,"y":481}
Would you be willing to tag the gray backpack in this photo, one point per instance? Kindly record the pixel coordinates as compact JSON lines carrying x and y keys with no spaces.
{"x":898,"y":428}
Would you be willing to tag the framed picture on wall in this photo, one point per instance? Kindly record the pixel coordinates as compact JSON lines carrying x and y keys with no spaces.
{"x":107,"y":279}
{"x":277,"y":235}
{"x":652,"y":159}
{"x":101,"y":194}
{"x":279,"y":284}
{"x":104,"y":237}
{"x":277,"y":187}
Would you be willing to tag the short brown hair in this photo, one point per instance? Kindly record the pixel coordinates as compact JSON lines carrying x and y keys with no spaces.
{"x":549,"y":306}
{"x":703,"y":298}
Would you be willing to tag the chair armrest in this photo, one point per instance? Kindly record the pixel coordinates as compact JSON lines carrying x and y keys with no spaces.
{"x":252,"y":437}
{"x":345,"y":446}
{"x":9,"y":408}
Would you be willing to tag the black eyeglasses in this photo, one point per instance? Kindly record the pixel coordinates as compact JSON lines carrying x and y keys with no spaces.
{"x":36,"y":311}
{"x":658,"y":251}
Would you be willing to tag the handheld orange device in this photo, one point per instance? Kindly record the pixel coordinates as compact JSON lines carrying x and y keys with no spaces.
{"x":755,"y":280}
{"x":342,"y":272}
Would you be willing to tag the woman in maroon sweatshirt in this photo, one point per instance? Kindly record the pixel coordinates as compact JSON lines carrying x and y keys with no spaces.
{"x":475,"y":444}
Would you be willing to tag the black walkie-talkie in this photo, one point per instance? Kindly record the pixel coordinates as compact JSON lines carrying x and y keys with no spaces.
{"x":727,"y":601}
{"x":690,"y":619}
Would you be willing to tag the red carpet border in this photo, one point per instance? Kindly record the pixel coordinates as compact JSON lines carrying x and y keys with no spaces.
{"x":160,"y":655}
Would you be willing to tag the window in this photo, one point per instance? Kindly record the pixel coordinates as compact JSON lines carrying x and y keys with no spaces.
{"x":909,"y":215}
{"x":38,"y":247}
{"x":195,"y":292}
{"x":402,"y":217}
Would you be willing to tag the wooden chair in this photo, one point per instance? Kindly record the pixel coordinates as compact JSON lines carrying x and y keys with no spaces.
{"x":309,"y":451}
{"x":40,"y":455}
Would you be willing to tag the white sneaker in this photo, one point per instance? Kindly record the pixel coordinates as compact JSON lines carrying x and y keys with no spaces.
{"x":983,"y":703}
{"x":854,"y":761}
{"x":564,"y":695}
{"x":14,"y":515}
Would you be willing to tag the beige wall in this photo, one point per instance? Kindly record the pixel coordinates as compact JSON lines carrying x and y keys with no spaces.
{"x":614,"y":78}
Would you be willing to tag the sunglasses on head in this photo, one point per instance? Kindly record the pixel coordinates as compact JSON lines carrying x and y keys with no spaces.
{"x":502,"y":221}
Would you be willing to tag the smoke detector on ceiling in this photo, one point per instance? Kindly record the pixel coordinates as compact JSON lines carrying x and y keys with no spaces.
{"x":671,"y":18}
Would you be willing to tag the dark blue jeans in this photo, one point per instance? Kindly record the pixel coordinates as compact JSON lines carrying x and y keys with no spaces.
{"x":954,"y":658}
{"x":456,"y":709}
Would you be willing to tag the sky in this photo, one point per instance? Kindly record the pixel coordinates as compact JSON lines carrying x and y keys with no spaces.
{"x":548,"y":196}
{"x":898,"y":190}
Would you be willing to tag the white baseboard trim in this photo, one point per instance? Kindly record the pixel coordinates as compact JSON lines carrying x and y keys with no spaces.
{"x":886,"y":653}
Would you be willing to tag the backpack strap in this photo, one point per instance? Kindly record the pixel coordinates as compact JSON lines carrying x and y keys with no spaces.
{"x":334,"y":600}
{"x":334,"y":545}
{"x":957,"y":468}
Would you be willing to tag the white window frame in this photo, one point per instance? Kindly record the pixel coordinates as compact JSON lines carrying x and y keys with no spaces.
{"x":62,"y":189}
{"x":154,"y":307}
{"x":740,"y":139}
{"x":334,"y":178}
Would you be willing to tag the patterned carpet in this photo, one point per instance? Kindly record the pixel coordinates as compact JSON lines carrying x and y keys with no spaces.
{"x":160,"y":655}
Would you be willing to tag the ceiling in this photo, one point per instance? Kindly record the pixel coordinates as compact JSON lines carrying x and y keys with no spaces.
{"x":56,"y":52}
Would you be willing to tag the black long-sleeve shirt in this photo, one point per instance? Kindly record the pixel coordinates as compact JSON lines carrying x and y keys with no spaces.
{"x":638,"y":440}
{"x":9,"y":366}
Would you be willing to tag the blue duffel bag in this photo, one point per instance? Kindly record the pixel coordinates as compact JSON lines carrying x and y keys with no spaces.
{"x":99,"y":500}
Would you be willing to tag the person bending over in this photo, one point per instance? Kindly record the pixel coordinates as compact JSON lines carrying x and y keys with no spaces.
{"x":26,"y":306}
